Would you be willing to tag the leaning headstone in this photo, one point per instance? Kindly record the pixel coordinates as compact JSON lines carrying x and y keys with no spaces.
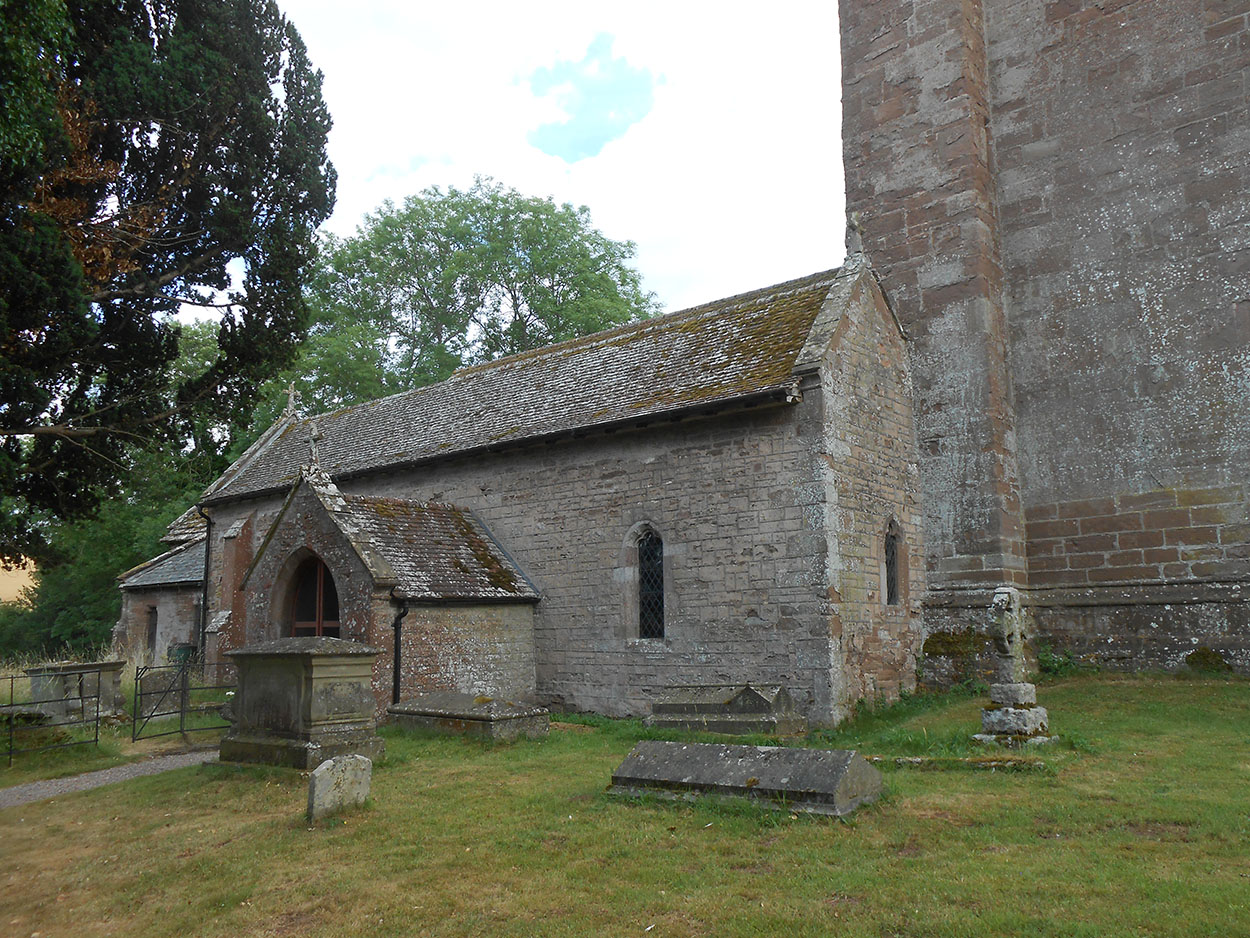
{"x":816,"y":781}
{"x":338,"y":783}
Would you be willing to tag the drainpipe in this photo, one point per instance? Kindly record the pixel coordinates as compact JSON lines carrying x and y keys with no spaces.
{"x":208,"y":553}
{"x":398,"y":627}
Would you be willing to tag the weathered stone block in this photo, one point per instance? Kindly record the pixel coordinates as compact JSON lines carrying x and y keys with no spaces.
{"x":817,"y":781}
{"x":70,"y":691}
{"x":459,"y":714}
{"x":1013,"y":695}
{"x":1014,"y":721}
{"x":728,"y":708}
{"x":301,"y":701}
{"x":338,"y":783}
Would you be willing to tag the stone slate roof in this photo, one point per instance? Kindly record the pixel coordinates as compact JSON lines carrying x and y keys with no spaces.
{"x":188,"y":526}
{"x":181,"y":566}
{"x":731,"y":351}
{"x":436,"y":552}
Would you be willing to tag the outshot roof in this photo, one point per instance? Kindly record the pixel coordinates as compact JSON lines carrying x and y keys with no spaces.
{"x":419,"y":551}
{"x":184,"y":565}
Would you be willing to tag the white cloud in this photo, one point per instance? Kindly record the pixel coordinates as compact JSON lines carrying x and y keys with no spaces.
{"x":732,"y":180}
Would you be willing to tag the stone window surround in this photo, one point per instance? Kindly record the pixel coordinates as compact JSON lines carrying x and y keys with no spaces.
{"x":627,"y":576}
{"x":892,"y":529}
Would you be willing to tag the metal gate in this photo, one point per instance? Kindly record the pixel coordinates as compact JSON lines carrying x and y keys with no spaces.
{"x":181,"y":691}
{"x":38,"y":714}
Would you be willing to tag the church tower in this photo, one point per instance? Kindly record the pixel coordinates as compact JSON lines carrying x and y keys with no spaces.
{"x":1057,"y":198}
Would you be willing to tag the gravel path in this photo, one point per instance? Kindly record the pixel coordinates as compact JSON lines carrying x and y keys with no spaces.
{"x":50,"y":788}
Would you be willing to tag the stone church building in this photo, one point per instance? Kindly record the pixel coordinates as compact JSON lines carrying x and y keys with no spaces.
{"x":1023,"y":405}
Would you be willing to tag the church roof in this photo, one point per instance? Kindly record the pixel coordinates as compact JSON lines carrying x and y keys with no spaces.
{"x":736,"y":350}
{"x":436,"y":552}
{"x":181,"y":566}
{"x":188,"y":526}
{"x":421,"y":551}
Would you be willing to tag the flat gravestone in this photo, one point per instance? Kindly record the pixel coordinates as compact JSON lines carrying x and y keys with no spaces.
{"x":817,"y":781}
{"x":338,"y":783}
{"x":728,"y":708}
{"x":458,"y":714}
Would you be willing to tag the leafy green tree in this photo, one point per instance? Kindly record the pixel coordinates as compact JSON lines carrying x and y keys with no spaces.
{"x":452,"y":278}
{"x":189,"y":135}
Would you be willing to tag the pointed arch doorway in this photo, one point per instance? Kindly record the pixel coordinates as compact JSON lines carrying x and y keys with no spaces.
{"x":315,"y":600}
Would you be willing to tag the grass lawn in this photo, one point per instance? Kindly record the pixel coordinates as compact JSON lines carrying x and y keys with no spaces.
{"x":1141,"y":826}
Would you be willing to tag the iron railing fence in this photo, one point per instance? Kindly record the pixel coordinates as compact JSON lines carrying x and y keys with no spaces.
{"x":36,"y":719}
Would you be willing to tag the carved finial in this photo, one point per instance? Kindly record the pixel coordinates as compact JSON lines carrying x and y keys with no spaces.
{"x":292,"y":401}
{"x":854,"y":234}
{"x":314,"y":434}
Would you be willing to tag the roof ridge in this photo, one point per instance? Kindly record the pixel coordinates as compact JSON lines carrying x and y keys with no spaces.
{"x":739,"y":347}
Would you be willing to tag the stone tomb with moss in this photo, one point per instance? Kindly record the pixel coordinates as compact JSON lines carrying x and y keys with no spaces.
{"x":301,"y":701}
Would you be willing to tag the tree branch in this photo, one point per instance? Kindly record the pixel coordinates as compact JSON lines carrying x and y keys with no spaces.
{"x":150,"y":286}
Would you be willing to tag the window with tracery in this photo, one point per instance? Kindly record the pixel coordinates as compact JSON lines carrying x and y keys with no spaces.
{"x":316,"y":609}
{"x":650,"y":585}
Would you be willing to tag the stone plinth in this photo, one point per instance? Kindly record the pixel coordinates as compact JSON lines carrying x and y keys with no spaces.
{"x":338,"y":783}
{"x":728,"y":708}
{"x":69,"y":691}
{"x":459,"y":714}
{"x":816,"y":781}
{"x":301,"y":701}
{"x":1013,"y":717}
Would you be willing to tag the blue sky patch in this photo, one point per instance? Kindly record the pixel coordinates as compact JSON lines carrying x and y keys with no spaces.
{"x":603,"y":97}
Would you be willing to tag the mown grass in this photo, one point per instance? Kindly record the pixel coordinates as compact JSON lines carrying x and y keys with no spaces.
{"x":1144,"y":828}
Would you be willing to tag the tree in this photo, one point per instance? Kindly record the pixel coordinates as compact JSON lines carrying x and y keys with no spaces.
{"x":452,"y":278}
{"x":189,"y":135}
{"x":75,"y":601}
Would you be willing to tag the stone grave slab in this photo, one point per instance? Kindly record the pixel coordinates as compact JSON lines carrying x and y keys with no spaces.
{"x":338,"y":783}
{"x":817,"y":781}
{"x":458,"y":714}
{"x":728,"y":708}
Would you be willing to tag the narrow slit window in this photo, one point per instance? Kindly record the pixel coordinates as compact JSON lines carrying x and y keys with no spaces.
{"x":650,"y":586}
{"x":152,"y":622}
{"x":892,"y":542}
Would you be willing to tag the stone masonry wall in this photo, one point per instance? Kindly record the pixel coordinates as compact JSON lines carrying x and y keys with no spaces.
{"x":474,"y":649}
{"x":177,"y":620}
{"x":738,"y":502}
{"x":874,"y":477}
{"x":1122,"y":140}
{"x":917,"y":155}
{"x":306,"y":530}
{"x":1101,"y":152}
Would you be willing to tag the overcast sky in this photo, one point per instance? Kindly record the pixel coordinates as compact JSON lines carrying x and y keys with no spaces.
{"x":708,"y":133}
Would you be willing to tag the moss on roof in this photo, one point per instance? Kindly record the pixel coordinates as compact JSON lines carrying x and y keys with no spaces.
{"x":716,"y":353}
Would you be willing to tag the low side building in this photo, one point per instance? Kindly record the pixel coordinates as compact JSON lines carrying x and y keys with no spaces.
{"x":161,"y":602}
